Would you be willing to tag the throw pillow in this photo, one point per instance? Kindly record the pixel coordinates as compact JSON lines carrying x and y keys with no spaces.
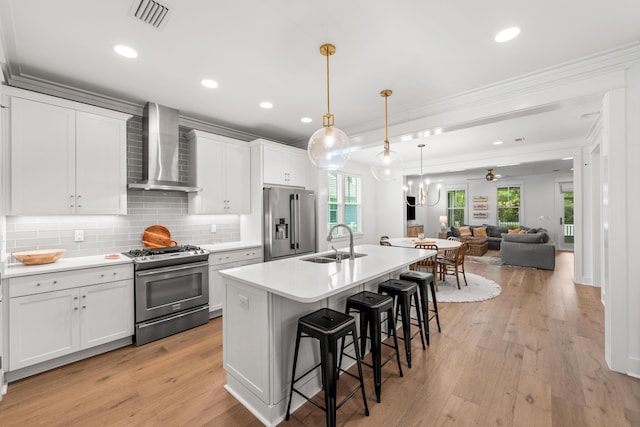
{"x":480,"y":232}
{"x":464,"y":231}
{"x":455,"y":232}
{"x":522,"y":231}
{"x":513,"y":231}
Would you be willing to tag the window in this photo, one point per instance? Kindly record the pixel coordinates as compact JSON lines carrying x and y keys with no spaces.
{"x":509,"y":206}
{"x":344,"y":202}
{"x":456,"y":204}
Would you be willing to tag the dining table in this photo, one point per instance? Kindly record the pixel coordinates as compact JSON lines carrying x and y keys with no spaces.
{"x":411,"y":242}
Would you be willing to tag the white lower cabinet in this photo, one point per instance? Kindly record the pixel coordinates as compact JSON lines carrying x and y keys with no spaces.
{"x":51,"y":316}
{"x":106,"y":313}
{"x":43,"y":327}
{"x":223,"y":260}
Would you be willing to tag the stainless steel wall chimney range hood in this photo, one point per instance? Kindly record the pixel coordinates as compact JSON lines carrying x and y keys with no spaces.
{"x":160,"y":151}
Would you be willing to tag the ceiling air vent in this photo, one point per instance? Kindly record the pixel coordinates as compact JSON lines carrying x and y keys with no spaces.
{"x":150,"y":12}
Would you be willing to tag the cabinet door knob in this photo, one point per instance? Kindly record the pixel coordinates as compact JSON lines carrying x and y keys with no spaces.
{"x":83,"y":296}
{"x":75,"y":298}
{"x":102,"y":275}
{"x":75,"y":308}
{"x":84,"y":306}
{"x":55,"y":282}
{"x":37,"y":284}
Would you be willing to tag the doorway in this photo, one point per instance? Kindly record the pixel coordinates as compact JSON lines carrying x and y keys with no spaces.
{"x":565,"y":225}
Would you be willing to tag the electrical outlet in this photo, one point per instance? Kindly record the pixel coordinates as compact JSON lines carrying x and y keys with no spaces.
{"x":214,"y":228}
{"x":244,"y":301}
{"x":78,"y":236}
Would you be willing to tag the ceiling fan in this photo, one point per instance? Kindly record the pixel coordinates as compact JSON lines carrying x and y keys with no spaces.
{"x":489,"y":176}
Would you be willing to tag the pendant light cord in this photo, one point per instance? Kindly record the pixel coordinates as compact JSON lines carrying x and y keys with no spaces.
{"x":386,"y":126}
{"x":328,"y":85}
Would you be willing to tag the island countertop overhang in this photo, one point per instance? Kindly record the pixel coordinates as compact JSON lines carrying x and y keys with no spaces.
{"x":307,"y":282}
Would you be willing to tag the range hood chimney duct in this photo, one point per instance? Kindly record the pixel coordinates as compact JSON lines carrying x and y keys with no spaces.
{"x":160,"y":151}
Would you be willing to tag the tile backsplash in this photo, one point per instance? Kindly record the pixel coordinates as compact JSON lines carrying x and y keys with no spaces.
{"x":119,"y":233}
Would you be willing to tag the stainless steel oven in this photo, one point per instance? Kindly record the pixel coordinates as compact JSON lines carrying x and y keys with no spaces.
{"x":171,"y":288}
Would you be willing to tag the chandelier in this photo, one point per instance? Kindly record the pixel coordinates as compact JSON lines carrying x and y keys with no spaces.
{"x":329,"y":147}
{"x":422,"y":198}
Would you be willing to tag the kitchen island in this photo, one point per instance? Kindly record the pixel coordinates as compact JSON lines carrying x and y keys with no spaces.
{"x":262,"y":305}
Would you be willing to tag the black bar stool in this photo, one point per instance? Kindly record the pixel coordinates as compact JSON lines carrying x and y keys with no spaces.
{"x":422,"y":279}
{"x":327,"y":326}
{"x":370,"y":306}
{"x":402,"y":291}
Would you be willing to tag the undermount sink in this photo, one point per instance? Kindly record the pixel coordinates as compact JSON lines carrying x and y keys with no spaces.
{"x":331,"y":257}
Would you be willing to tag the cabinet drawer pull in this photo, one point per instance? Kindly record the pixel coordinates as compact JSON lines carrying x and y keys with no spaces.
{"x":37,"y":284}
{"x":75,"y":308}
{"x":55,"y":282}
{"x":75,"y":298}
{"x":102,"y":275}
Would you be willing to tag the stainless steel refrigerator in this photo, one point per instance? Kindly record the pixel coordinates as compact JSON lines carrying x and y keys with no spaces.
{"x":289,"y":222}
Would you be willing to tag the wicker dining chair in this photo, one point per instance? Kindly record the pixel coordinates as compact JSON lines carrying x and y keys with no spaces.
{"x":384,"y":241}
{"x":428,"y":263}
{"x":452,"y":263}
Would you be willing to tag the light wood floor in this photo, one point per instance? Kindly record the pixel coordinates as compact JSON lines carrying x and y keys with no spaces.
{"x":533,"y":356}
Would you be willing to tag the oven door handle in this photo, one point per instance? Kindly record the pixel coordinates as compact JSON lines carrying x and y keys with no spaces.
{"x":172,"y":269}
{"x":186,"y":313}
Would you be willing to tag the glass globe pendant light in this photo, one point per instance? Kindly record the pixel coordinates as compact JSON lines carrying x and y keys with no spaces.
{"x":329,"y":147}
{"x":387,"y":165}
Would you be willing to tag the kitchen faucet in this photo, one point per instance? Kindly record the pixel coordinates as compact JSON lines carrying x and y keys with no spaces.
{"x":329,"y":237}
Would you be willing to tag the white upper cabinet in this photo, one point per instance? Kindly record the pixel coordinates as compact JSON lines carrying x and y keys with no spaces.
{"x":220,"y":166}
{"x":66,"y":160}
{"x":285,"y":166}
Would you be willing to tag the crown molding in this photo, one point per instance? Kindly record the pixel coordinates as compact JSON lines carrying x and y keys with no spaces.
{"x":592,"y":67}
{"x":99,"y":100}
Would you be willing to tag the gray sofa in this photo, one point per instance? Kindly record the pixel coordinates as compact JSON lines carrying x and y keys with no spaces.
{"x":533,"y":249}
{"x":494,"y":234}
{"x":529,"y":250}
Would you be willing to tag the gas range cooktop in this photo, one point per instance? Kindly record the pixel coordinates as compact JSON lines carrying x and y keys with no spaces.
{"x":177,"y":254}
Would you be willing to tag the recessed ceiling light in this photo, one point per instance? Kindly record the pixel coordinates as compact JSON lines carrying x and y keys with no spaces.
{"x":567,"y":158}
{"x":497,"y":176}
{"x":125,"y":51}
{"x":211,"y":84}
{"x":507,"y":34}
{"x":437,"y":131}
{"x":266,"y":105}
{"x":306,"y":120}
{"x":497,"y":142}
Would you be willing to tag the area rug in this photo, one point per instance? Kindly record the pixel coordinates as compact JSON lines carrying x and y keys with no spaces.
{"x":486,"y":259}
{"x":478,"y":288}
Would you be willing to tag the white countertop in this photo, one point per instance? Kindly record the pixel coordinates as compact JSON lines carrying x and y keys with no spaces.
{"x":230,"y":246}
{"x":305,"y":281}
{"x":63,"y":264}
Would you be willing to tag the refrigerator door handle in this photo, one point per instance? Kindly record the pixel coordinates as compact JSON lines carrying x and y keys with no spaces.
{"x":297,"y":221}
{"x":293,"y":236}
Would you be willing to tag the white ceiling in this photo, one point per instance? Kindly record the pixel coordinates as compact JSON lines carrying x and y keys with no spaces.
{"x":425,"y":51}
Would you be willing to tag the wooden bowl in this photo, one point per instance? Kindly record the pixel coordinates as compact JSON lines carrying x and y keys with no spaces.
{"x":43,"y":256}
{"x":157,"y":236}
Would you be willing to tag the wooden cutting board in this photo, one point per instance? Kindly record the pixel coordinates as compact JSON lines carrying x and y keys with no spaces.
{"x":157,"y":236}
